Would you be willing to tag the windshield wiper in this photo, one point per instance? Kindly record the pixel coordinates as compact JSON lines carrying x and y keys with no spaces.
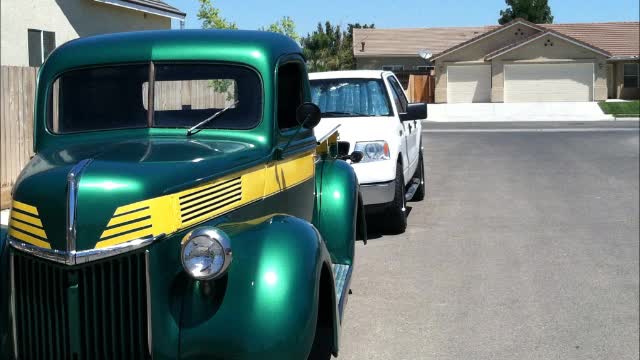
{"x":207,"y":120}
{"x":344,"y":113}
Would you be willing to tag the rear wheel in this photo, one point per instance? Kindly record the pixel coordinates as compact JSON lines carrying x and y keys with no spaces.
{"x":396,"y":211}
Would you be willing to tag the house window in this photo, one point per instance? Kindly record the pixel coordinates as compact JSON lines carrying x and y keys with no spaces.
{"x":424,"y":67}
{"x":40,"y":44}
{"x":631,"y":75}
{"x":393,"y":67}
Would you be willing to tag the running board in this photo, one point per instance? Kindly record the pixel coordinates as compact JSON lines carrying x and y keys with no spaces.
{"x":415,"y":183}
{"x":342,"y":279}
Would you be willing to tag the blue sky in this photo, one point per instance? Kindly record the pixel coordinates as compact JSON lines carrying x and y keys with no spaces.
{"x":251,"y":14}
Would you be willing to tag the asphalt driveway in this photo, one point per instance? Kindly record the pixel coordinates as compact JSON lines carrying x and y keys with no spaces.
{"x":526,"y":247}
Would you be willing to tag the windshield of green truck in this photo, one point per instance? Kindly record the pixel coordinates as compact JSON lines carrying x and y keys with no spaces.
{"x":350,"y":97}
{"x":118,"y":97}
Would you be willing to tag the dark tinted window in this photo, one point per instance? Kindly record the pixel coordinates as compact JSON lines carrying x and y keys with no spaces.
{"x":48,"y":42}
{"x":34,"y":43}
{"x":399,"y":97}
{"x":186,"y":94}
{"x":631,"y":74}
{"x":116,"y":97}
{"x":350,"y":97}
{"x":99,"y":99}
{"x":290,"y":94}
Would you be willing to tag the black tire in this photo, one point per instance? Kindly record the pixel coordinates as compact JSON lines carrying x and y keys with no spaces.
{"x":396,"y":210}
{"x":420,"y":192}
{"x":321,"y":349}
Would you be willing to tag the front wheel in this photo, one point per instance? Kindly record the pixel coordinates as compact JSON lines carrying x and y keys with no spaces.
{"x":396,"y":210}
{"x":321,"y":349}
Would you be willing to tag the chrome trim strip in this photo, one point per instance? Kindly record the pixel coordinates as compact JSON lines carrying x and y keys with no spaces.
{"x":345,"y":292}
{"x":72,"y":193}
{"x":12,"y":299}
{"x":149,"y":331}
{"x":49,"y":254}
{"x":81,"y":257}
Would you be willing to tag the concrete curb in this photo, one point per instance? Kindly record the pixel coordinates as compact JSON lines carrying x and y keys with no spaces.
{"x":608,"y":125}
{"x":514,"y":112}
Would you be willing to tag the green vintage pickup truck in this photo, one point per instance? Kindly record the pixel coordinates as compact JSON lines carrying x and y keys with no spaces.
{"x":179,"y":205}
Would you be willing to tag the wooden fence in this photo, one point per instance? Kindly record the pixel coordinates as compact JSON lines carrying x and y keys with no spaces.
{"x":421,"y":88}
{"x":420,"y":84}
{"x":16,"y":125}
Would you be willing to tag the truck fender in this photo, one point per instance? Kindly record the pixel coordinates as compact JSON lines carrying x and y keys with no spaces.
{"x":267,"y":302}
{"x":336,"y":214}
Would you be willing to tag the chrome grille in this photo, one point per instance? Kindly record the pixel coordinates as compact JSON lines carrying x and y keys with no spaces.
{"x":94,"y":311}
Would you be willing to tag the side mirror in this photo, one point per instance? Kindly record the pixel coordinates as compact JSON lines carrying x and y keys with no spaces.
{"x":356,"y":156}
{"x":415,"y":111}
{"x":308,"y":115}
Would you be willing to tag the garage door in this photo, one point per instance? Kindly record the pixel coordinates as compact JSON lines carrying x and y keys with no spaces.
{"x":468,"y":83}
{"x":548,"y":82}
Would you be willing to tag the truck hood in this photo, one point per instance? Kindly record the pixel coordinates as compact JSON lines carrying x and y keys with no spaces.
{"x":354,"y":129}
{"x":119,"y":174}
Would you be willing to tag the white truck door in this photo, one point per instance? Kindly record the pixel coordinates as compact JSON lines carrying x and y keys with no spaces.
{"x":411,"y":129}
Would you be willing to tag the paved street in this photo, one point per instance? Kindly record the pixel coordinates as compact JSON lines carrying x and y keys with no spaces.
{"x":525,"y":248}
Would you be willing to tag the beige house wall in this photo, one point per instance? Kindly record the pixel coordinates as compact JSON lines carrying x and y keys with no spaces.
{"x":478,"y":50}
{"x":376,"y":63}
{"x":69,"y":19}
{"x":561,"y":52}
{"x":620,"y":91}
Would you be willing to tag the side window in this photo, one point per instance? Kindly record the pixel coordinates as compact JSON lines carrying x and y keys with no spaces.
{"x":398,"y":95}
{"x":290,"y":94}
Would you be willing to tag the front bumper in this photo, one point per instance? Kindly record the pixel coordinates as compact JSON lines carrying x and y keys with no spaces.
{"x":378,"y":193}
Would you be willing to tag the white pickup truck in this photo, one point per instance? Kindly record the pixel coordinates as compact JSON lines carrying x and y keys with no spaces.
{"x":377,"y":120}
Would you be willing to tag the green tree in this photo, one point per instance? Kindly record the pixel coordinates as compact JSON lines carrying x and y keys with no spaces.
{"x":330,"y":48}
{"x":210,"y":17}
{"x":285,"y":26}
{"x":536,"y":11}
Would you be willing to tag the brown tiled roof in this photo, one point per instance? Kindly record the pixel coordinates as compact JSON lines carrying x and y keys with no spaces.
{"x":616,"y":38}
{"x":407,"y":42}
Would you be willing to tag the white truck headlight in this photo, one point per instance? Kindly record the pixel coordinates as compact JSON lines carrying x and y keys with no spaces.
{"x":373,"y":150}
{"x":206,"y":253}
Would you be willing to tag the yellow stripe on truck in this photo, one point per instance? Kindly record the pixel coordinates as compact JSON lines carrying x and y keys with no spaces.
{"x":166,"y":215}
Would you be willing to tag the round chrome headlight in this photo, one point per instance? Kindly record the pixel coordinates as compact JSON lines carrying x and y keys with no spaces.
{"x":206,"y":253}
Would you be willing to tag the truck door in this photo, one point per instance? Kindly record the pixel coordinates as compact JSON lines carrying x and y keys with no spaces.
{"x":410,"y":128}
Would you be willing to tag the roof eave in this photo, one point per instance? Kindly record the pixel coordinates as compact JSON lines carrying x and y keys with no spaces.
{"x":624,"y":57}
{"x":178,"y":15}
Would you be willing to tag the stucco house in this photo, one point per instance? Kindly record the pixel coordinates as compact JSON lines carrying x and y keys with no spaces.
{"x":32,"y":29}
{"x":516,"y":62}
